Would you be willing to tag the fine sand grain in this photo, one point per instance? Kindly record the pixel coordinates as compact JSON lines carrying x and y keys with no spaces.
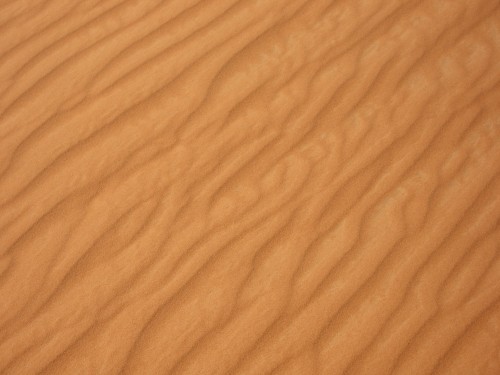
{"x":250,"y":187}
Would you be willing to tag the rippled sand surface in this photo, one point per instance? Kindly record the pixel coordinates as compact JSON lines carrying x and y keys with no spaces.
{"x":285,"y":187}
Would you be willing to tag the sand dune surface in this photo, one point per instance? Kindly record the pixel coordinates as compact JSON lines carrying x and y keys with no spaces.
{"x":250,"y":187}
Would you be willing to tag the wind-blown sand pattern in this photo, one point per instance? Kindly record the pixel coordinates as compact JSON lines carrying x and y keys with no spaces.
{"x":250,"y":187}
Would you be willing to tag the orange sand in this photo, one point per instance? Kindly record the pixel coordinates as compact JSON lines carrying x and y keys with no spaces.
{"x":285,"y":187}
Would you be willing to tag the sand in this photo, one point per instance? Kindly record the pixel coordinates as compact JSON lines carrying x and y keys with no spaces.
{"x":284,"y":187}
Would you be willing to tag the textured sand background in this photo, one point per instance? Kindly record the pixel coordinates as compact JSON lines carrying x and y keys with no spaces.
{"x":250,"y":187}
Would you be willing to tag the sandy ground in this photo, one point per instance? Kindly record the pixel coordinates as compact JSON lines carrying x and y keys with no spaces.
{"x":285,"y":187}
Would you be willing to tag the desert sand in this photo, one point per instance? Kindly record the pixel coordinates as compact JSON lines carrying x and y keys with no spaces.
{"x":250,"y":187}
